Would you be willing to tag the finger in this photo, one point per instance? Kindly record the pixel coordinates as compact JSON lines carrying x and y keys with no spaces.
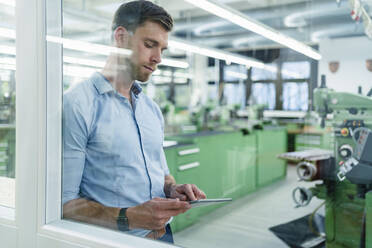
{"x":180,"y":196}
{"x":202,"y":195}
{"x":158,"y":199}
{"x":175,"y":204}
{"x":174,"y":212}
{"x":189,"y":192}
{"x":196,"y":191}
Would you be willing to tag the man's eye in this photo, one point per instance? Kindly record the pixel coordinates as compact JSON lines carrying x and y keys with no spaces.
{"x":148,"y":45}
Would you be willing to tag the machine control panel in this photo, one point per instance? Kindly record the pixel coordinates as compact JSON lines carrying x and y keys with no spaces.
{"x":347,"y":127}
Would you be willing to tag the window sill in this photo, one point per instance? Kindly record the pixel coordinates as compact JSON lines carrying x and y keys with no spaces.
{"x":88,"y":235}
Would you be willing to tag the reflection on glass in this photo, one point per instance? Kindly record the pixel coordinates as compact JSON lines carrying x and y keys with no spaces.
{"x":225,"y":153}
{"x":7,"y":104}
{"x":115,"y":172}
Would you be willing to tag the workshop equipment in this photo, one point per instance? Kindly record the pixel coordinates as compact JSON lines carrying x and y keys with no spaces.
{"x":345,"y":172}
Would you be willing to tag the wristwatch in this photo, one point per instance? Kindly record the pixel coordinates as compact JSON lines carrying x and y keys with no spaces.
{"x":122,"y":220}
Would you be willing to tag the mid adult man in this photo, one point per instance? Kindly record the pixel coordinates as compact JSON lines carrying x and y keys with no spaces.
{"x":114,"y":172}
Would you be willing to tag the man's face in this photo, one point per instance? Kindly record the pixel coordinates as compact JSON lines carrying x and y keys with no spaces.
{"x":147,"y":44}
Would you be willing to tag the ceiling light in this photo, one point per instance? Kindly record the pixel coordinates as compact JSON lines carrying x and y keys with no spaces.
{"x":87,"y":46}
{"x":88,"y":62}
{"x":174,"y":43}
{"x":78,"y":71}
{"x":106,"y":50}
{"x":214,"y":53}
{"x":250,"y":24}
{"x":174,"y":63}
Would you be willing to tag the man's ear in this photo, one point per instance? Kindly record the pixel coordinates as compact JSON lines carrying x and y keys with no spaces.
{"x":121,"y":37}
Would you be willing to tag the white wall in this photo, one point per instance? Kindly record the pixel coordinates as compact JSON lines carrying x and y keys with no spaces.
{"x":352,"y":54}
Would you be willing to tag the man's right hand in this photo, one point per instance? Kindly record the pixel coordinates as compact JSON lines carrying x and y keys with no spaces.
{"x":154,"y":214}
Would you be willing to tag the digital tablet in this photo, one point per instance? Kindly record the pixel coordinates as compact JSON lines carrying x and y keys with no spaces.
{"x":207,"y":202}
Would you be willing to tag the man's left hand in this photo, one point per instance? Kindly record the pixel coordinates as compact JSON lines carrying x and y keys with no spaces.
{"x":186,"y":192}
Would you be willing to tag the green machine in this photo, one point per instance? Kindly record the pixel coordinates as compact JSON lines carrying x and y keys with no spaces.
{"x":345,"y":172}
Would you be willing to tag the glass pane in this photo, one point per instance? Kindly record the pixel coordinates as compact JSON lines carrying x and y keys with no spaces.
{"x":295,"y":70}
{"x":264,"y":94}
{"x":235,"y":73}
{"x":295,"y":96}
{"x":261,"y":74}
{"x":234,"y":94}
{"x":7,"y":103}
{"x":227,"y":144}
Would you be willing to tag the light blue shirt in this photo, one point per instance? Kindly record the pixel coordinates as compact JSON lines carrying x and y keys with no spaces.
{"x":112,"y":152}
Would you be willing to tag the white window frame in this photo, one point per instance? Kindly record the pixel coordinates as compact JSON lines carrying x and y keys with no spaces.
{"x":37,"y":221}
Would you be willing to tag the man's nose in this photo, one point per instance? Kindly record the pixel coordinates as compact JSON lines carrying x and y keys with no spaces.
{"x":156,"y":57}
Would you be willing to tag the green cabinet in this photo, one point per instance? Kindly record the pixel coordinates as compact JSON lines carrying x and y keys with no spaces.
{"x":184,"y":165}
{"x":270,"y":143}
{"x":225,"y":164}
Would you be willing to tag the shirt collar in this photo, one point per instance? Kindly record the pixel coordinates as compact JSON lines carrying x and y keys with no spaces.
{"x":100,"y":82}
{"x":104,"y":86}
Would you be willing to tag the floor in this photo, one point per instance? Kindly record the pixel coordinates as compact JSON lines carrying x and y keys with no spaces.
{"x":245,"y":222}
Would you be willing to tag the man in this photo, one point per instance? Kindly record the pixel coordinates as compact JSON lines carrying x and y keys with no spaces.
{"x":114,"y":172}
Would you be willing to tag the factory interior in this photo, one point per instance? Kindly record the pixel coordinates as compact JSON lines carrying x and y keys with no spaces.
{"x":267,"y":103}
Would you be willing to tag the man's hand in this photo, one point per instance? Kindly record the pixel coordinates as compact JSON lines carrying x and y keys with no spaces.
{"x":186,"y":192}
{"x":154,"y":214}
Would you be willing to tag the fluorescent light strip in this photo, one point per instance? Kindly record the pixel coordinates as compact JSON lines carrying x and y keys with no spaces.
{"x":174,"y":63}
{"x":214,"y":53}
{"x":250,"y":24}
{"x":87,"y":62}
{"x":106,"y":50}
{"x":78,"y":71}
{"x":174,"y":43}
{"x":87,"y":46}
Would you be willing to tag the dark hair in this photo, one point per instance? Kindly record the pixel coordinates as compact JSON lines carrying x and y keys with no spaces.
{"x":134,"y":14}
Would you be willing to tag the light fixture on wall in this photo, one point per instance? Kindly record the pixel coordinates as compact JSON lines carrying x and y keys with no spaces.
{"x":252,"y":25}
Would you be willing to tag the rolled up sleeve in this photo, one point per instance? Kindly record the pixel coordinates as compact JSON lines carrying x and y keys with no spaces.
{"x":75,"y":136}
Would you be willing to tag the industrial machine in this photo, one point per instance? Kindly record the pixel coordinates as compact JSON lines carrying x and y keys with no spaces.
{"x":345,"y":172}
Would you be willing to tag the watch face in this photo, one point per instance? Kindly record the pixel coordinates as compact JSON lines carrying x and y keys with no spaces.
{"x":122,"y":220}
